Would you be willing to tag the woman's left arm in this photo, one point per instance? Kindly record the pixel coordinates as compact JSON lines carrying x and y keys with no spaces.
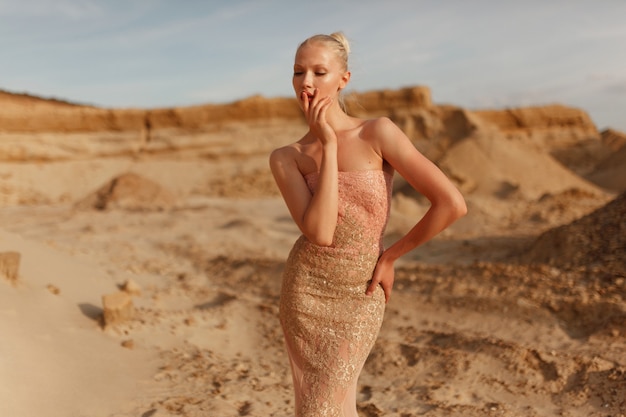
{"x":447,"y":203}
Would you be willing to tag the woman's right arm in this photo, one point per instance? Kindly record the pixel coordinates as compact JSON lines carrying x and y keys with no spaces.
{"x":315,"y":214}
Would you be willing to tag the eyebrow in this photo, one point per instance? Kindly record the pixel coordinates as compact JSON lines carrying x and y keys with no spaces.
{"x":316,"y":66}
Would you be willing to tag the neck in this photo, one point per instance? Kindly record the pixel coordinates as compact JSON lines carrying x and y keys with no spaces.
{"x":336,"y":117}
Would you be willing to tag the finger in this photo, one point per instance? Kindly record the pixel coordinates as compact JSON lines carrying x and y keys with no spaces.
{"x":315,"y":97}
{"x":319,"y":110}
{"x":318,"y":113}
{"x":325,"y":103}
{"x":305,"y":101}
{"x":308,"y":101}
{"x":372,"y":287}
{"x":321,"y":107}
{"x":317,"y":101}
{"x":387,"y":290}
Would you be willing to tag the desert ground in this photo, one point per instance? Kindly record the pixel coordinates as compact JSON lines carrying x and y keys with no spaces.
{"x":141,"y":253}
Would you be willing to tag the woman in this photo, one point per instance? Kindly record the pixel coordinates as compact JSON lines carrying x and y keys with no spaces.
{"x":336,"y":183}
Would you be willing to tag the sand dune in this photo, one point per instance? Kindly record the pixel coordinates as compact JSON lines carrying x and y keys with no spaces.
{"x":517,"y":310}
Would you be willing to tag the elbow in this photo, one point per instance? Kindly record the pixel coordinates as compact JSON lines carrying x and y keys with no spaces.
{"x":320,"y":236}
{"x":459,"y":208}
{"x":321,"y":239}
{"x":319,"y":233}
{"x":455,"y":207}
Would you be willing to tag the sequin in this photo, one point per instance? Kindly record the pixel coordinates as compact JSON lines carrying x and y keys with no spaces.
{"x":330,"y":325}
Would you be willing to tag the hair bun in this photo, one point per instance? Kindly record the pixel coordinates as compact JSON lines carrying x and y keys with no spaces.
{"x":341,"y":38}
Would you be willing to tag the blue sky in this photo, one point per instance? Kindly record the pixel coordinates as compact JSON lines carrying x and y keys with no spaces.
{"x":475,"y":54}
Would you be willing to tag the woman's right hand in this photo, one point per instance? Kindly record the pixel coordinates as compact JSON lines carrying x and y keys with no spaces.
{"x":315,"y":113}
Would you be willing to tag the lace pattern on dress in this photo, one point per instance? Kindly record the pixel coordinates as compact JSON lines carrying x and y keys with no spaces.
{"x":330,"y":325}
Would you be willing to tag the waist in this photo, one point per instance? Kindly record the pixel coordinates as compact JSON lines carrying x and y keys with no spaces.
{"x":344,"y":247}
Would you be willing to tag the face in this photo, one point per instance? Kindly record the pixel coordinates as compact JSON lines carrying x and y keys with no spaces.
{"x":317,"y":67}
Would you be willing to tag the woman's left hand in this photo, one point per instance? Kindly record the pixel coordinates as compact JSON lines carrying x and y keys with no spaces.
{"x":383,"y":276}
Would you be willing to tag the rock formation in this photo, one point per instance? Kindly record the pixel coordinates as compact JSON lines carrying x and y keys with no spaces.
{"x":10,"y":266}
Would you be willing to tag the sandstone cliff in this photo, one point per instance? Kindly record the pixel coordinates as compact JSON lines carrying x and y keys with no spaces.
{"x":412,"y":107}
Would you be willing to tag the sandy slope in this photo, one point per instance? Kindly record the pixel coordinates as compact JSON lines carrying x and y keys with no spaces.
{"x":55,"y":359}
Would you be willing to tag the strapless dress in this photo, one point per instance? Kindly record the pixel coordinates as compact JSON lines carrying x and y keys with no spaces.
{"x":329,"y":324}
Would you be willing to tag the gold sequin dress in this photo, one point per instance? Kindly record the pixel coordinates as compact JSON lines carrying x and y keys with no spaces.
{"x":330,"y":325}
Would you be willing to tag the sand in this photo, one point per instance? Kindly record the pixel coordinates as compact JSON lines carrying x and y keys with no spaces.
{"x":517,"y":310}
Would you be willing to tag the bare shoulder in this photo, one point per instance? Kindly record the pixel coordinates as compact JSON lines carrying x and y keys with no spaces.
{"x":284,"y":152}
{"x":379,"y":128}
{"x":286,"y":158}
{"x":380,"y":131}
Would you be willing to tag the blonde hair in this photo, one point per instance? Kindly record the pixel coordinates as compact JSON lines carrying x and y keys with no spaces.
{"x":337,"y":41}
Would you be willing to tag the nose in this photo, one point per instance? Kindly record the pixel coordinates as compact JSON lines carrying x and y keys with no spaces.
{"x":307,"y":81}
